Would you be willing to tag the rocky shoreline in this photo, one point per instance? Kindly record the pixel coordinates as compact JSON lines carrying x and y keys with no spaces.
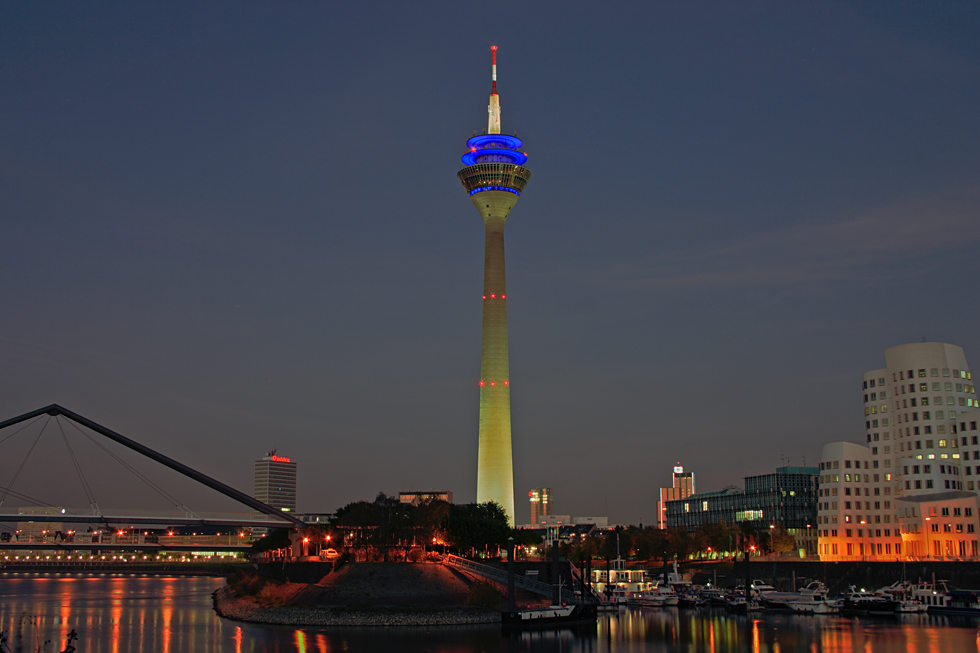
{"x":230,"y":606}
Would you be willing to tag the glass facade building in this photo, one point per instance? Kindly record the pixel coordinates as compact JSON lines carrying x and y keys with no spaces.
{"x":787,"y":498}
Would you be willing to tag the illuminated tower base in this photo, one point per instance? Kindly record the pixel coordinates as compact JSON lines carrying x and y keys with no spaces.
{"x":495,"y":177}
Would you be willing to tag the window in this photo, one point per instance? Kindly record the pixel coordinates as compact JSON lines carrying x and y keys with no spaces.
{"x":945,"y":371}
{"x":847,"y":464}
{"x":934,"y":371}
{"x":968,"y":512}
{"x":928,"y":444}
{"x":957,"y":512}
{"x":922,"y":373}
{"x":945,"y":512}
{"x":923,"y":387}
{"x":925,"y":402}
{"x":927,"y":469}
{"x":948,"y":386}
{"x":928,"y":484}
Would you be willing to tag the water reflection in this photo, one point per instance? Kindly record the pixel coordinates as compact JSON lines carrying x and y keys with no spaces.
{"x":140,"y":613}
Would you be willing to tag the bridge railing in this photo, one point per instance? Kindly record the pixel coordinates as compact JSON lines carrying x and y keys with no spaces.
{"x":500,"y":575}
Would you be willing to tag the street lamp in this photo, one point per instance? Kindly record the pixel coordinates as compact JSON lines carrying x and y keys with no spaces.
{"x":772,"y":529}
{"x":808,"y":539}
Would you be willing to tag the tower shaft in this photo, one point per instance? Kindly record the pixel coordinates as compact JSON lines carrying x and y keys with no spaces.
{"x":495,"y":472}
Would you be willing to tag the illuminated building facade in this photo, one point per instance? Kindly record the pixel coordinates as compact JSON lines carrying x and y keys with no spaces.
{"x":423,"y":496}
{"x":275,"y":482}
{"x":683,"y":486}
{"x":494,"y":176}
{"x":918,"y":411}
{"x":540,"y":500}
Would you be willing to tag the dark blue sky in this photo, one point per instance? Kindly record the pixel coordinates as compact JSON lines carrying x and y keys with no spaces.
{"x":229,"y":227}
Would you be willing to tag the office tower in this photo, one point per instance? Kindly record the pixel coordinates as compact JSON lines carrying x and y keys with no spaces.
{"x":494,"y":177}
{"x":540,"y":499}
{"x":916,"y":410}
{"x":683,"y":486}
{"x":275,"y":482}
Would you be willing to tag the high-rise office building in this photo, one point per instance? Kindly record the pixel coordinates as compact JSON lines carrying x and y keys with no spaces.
{"x":683,"y":486}
{"x":494,"y":176}
{"x":876,"y":497}
{"x":275,"y":482}
{"x":540,"y":500}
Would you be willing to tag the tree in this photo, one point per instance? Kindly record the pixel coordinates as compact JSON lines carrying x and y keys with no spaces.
{"x":277,"y":539}
{"x":782,"y":540}
{"x":477,"y":525}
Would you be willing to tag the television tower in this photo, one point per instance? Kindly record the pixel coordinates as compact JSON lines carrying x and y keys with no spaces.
{"x":494,"y":176}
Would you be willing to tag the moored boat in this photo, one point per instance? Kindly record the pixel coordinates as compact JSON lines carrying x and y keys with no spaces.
{"x":553,"y":615}
{"x":862,"y":602}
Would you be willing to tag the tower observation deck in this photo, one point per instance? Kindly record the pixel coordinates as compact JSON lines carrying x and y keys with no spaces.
{"x":494,"y":176}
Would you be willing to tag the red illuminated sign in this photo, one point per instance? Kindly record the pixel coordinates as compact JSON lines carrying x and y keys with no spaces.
{"x":280,"y":459}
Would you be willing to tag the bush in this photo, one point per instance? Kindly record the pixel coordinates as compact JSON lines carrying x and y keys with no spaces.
{"x":485,"y":595}
{"x":247,"y":582}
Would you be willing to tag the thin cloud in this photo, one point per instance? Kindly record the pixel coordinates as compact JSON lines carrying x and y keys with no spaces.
{"x":818,"y":252}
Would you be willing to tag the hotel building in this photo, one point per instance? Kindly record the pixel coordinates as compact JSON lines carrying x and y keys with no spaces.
{"x":275,"y":482}
{"x":918,"y":411}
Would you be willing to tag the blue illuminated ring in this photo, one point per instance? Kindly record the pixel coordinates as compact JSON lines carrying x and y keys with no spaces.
{"x":483,"y":188}
{"x":495,"y":140}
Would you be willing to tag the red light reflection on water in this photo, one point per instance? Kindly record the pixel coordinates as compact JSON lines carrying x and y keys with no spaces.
{"x":168,"y":613}
{"x":116,"y":612}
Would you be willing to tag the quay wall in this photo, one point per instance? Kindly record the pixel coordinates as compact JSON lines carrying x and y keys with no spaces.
{"x":839,"y":575}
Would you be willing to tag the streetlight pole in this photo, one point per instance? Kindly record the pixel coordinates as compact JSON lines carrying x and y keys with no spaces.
{"x":864,"y":548}
{"x":928,"y":527}
{"x":772,"y":529}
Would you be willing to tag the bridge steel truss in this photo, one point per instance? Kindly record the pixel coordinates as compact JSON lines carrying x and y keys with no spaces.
{"x":54,"y":410}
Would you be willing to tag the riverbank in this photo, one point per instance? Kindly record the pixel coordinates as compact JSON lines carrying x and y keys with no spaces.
{"x":364,"y":594}
{"x":249,"y":610}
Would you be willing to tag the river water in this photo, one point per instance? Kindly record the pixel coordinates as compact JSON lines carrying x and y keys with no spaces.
{"x":155,"y":614}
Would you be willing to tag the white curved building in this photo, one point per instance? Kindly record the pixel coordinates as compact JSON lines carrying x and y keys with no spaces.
{"x":914,"y":411}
